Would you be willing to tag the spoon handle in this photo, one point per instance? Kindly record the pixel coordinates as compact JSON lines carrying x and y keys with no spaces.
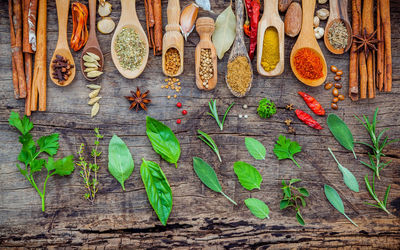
{"x":308,"y":16}
{"x":239,"y":19}
{"x":338,"y":9}
{"x":173,"y":14}
{"x":128,"y":11}
{"x":62,"y":13}
{"x":271,"y":6}
{"x":92,"y":15}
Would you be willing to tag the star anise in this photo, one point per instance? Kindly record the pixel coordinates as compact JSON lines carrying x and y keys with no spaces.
{"x":366,"y":41}
{"x":289,"y":107}
{"x":138,"y":99}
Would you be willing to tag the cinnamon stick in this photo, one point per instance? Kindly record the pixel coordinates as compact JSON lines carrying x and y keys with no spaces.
{"x":353,"y":65}
{"x":158,"y":36}
{"x":385,"y":16}
{"x":368,"y":27}
{"x":381,"y":49}
{"x":12,"y":41}
{"x":28,"y":74}
{"x":26,"y":47}
{"x":15,"y":79}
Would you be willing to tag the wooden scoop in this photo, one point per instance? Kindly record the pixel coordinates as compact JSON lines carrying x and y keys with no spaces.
{"x":338,"y":12}
{"x":239,"y":48}
{"x":173,"y":37}
{"x":271,"y":18}
{"x":205,"y":27}
{"x":307,"y":39}
{"x":129,"y":19}
{"x":62,"y":47}
{"x":92,"y":45}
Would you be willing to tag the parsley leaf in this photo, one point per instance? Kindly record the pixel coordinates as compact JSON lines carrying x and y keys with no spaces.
{"x":63,"y":166}
{"x":49,"y":144}
{"x":28,"y":150}
{"x":285,"y":149}
{"x":24,"y":125}
{"x":37,"y":165}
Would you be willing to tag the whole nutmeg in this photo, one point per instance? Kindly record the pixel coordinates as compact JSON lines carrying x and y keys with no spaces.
{"x":316,"y":21}
{"x":323,"y":14}
{"x":319,"y":32}
{"x":293,"y":20}
{"x":283,"y":5}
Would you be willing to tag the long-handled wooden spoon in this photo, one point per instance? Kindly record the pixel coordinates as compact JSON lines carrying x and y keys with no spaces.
{"x":338,"y":13}
{"x":239,"y":48}
{"x":92,"y":45}
{"x":62,"y":47}
{"x":173,"y":38}
{"x":205,"y":27}
{"x":307,"y":39}
{"x":271,"y":19}
{"x":129,"y":19}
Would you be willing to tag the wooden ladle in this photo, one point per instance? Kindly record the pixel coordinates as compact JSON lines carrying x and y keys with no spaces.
{"x":338,"y":13}
{"x":205,"y":27}
{"x":271,"y":18}
{"x":62,"y":47}
{"x":307,"y":39}
{"x":92,"y":45}
{"x":173,"y":37}
{"x":129,"y":19}
{"x":239,"y":48}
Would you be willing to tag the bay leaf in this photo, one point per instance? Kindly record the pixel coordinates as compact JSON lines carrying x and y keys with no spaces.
{"x":225,"y":31}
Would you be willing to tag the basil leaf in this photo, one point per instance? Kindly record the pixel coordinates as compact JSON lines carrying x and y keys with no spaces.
{"x":157,"y":188}
{"x":248,"y":175}
{"x":208,"y":176}
{"x":257,"y":207}
{"x":348,"y":177}
{"x":334,"y":198}
{"x":255,"y":148}
{"x":120,"y":161}
{"x":341,"y":132}
{"x":163,"y":140}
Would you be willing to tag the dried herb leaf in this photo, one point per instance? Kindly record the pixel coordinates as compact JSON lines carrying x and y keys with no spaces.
{"x":225,"y":31}
{"x":341,"y":132}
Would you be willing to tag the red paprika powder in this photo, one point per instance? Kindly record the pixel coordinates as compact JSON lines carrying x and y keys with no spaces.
{"x":308,"y":64}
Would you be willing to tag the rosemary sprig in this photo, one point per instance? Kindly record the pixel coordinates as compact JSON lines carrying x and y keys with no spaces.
{"x":371,"y":190}
{"x":377,"y":146}
{"x":90,"y":181}
{"x":214,"y":113}
{"x":209,"y":141}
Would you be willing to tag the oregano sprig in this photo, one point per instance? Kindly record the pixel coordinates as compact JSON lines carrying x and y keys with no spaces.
{"x":294,"y":197}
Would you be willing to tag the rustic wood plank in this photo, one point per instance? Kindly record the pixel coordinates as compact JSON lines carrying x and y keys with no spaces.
{"x":200,"y":218}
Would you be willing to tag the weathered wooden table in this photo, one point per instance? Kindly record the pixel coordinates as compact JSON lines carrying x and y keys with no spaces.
{"x":200,"y":217}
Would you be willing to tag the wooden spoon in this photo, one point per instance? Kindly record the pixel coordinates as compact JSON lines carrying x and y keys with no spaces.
{"x":271,"y":18}
{"x":205,"y":27}
{"x":338,"y":13}
{"x":62,"y":47}
{"x":173,"y":37}
{"x":92,"y":45}
{"x":307,"y":39}
{"x":129,"y":19}
{"x":239,"y":48}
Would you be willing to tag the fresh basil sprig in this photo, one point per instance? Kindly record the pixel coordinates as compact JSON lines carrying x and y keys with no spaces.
{"x":341,"y":132}
{"x":248,"y":175}
{"x":257,"y":207}
{"x":348,"y":177}
{"x":120,"y":161}
{"x":371,"y":189}
{"x":163,"y":140}
{"x":208,"y":176}
{"x":334,"y":198}
{"x":210,"y":142}
{"x":255,"y":148}
{"x":158,"y":190}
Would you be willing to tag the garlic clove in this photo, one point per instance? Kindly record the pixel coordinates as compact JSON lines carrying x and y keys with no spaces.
{"x":188,"y":19}
{"x":319,"y":32}
{"x":323,"y":14}
{"x":316,"y":21}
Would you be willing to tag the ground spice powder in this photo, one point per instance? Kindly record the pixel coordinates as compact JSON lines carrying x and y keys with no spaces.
{"x":172,"y":61}
{"x":239,"y":74}
{"x":270,"y":52}
{"x":308,"y":64}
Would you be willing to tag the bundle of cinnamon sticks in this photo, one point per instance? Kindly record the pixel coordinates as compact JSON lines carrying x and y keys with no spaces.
{"x":370,"y":54}
{"x":154,"y":24}
{"x":29,"y":80}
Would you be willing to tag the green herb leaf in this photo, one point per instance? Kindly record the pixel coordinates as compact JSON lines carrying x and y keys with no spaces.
{"x":120,"y":161}
{"x":208,"y":176}
{"x":266,"y":108}
{"x":304,"y":191}
{"x":62,"y":167}
{"x":212,"y":104}
{"x":163,"y":140}
{"x":300,"y":218}
{"x":293,"y":181}
{"x":28,"y":150}
{"x":283,"y":204}
{"x":49,"y":144}
{"x":210,"y":142}
{"x":334,"y":198}
{"x":341,"y":132}
{"x":158,"y":190}
{"x":348,"y":177}
{"x":37,"y":165}
{"x":285,"y":149}
{"x":225,"y":31}
{"x":371,"y":189}
{"x":248,"y":175}
{"x":255,"y":148}
{"x":24,"y":125}
{"x":257,"y":207}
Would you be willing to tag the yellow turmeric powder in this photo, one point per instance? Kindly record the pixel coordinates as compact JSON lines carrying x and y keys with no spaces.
{"x":270,"y":52}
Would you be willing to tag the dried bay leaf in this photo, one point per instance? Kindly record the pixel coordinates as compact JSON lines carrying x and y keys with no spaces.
{"x":225,"y":31}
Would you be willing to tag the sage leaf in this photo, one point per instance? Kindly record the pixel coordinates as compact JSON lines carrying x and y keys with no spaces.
{"x":163,"y":140}
{"x":157,"y":188}
{"x":208,"y":176}
{"x":248,"y":175}
{"x":334,"y":198}
{"x":225,"y":31}
{"x":341,"y":132}
{"x":255,"y":148}
{"x":257,"y":207}
{"x":120,"y":161}
{"x":348,"y":177}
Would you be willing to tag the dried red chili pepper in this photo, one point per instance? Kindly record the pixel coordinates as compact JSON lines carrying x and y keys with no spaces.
{"x":254,"y":18}
{"x":307,"y":119}
{"x":246,"y":27}
{"x":312,"y":103}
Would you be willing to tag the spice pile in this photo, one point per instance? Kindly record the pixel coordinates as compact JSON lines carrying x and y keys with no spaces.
{"x":61,"y":69}
{"x":206,"y":71}
{"x":172,"y":61}
{"x":270,"y":53}
{"x":173,"y":84}
{"x":338,"y":35}
{"x":129,"y":48}
{"x":239,"y":75}
{"x":92,"y":66}
{"x":308,"y":64}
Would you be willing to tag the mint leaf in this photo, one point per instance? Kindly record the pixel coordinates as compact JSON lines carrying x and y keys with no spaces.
{"x":285,"y":149}
{"x":24,"y":125}
{"x":62,"y":167}
{"x":49,"y":144}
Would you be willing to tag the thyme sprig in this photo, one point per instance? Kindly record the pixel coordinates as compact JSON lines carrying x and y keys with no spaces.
{"x":214,"y":113}
{"x":371,"y":189}
{"x":209,"y":141}
{"x":87,"y":169}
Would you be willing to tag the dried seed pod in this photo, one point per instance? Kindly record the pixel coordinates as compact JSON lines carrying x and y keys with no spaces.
{"x":334,"y":69}
{"x":94,"y":100}
{"x":328,"y":85}
{"x":94,"y":93}
{"x":90,"y":69}
{"x":188,"y":19}
{"x":338,"y":85}
{"x":93,"y":74}
{"x":89,"y":59}
{"x":95,"y":109}
{"x":335,"y":92}
{"x":334,"y":106}
{"x":93,"y":55}
{"x":90,"y":65}
{"x":341,"y":97}
{"x":93,"y":86}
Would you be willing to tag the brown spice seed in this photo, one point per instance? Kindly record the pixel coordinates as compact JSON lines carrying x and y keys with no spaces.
{"x":335,"y":92}
{"x":328,"y":85}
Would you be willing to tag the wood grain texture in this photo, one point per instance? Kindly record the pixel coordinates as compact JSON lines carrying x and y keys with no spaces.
{"x":200,"y":218}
